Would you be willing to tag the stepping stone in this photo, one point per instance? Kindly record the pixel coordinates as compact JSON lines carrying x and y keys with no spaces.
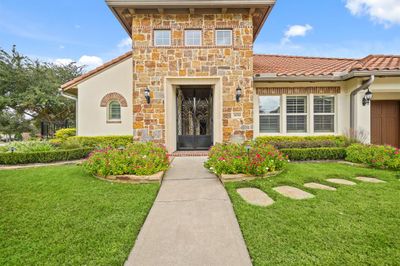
{"x":370,"y":179}
{"x":293,"y":193}
{"x":341,"y":181}
{"x":255,"y":196}
{"x":318,"y":186}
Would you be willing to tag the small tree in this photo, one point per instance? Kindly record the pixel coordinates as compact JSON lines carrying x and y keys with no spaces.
{"x":12,"y":123}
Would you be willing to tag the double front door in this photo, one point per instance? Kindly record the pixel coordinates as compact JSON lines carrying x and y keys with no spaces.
{"x":194,"y":118}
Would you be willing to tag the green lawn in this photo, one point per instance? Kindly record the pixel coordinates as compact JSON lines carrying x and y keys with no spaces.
{"x":61,"y":215}
{"x":357,"y":225}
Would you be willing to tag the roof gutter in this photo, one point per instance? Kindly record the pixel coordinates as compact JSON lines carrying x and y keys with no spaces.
{"x":364,"y":86}
{"x":74,"y":98}
{"x":68,"y":96}
{"x":353,"y":74}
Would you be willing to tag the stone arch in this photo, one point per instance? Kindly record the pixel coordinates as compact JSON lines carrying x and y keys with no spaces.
{"x":113,"y":96}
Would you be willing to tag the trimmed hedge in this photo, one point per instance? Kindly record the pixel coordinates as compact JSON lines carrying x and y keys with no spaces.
{"x":374,"y":155}
{"x":305,"y":154}
{"x":8,"y":158}
{"x":65,"y":133}
{"x":103,"y":141}
{"x":284,"y":142}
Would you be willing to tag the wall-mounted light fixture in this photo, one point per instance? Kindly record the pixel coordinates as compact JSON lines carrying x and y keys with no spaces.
{"x":238,"y":93}
{"x":367,"y":98}
{"x":147,"y":95}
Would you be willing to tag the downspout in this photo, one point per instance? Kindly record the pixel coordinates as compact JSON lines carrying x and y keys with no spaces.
{"x":364,"y":86}
{"x":74,"y":98}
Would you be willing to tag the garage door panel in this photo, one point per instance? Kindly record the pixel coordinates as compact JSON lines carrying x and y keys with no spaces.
{"x":385,"y":122}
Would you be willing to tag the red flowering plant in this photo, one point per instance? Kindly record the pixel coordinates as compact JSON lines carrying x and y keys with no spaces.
{"x":138,"y":158}
{"x":374,"y":155}
{"x":247,"y":158}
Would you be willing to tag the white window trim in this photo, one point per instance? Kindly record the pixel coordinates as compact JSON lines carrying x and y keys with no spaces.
{"x":109,"y":118}
{"x":334,"y":114}
{"x":230,"y":39}
{"x":270,"y":114}
{"x":283,"y":113}
{"x":307,"y":114}
{"x":162,"y":45}
{"x":201,"y":38}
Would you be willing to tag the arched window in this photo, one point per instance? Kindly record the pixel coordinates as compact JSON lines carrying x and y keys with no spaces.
{"x":114,"y":110}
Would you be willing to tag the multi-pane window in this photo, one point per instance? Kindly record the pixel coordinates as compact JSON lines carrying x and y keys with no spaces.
{"x":324,"y":113}
{"x":296,"y":117}
{"x":114,"y":110}
{"x":270,"y":110}
{"x":162,"y":38}
{"x":192,"y":37}
{"x":223,"y":37}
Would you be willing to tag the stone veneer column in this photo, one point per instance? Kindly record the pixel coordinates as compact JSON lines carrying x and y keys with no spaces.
{"x":152,"y":64}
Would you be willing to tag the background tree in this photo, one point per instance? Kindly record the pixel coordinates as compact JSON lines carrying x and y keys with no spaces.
{"x":30,"y":88}
{"x":12,"y":124}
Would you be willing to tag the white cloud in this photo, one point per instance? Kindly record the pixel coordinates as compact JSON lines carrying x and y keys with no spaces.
{"x":90,"y":62}
{"x":351,"y":49}
{"x":63,"y":61}
{"x":125,"y":44}
{"x":296,"y":31}
{"x":386,"y":12}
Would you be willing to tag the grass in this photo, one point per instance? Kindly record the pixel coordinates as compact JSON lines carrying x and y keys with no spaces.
{"x":357,"y":225}
{"x":61,"y":215}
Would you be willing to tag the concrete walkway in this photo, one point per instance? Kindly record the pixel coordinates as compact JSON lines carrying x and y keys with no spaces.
{"x":191,"y":222}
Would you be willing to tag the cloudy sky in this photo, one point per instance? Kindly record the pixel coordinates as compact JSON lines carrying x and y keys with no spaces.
{"x":86,"y":31}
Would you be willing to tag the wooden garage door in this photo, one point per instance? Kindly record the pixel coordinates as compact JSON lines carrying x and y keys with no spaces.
{"x":385,"y":122}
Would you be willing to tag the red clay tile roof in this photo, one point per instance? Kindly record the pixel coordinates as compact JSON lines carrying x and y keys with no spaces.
{"x":283,"y":65}
{"x":320,"y":66}
{"x":77,"y":80}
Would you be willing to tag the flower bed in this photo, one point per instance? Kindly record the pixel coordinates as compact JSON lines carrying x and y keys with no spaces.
{"x":136,"y":159}
{"x":374,"y":156}
{"x":94,"y":142}
{"x":252,"y":160}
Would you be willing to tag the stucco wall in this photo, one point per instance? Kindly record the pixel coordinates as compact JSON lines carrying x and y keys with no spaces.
{"x":92,"y":118}
{"x":382,"y":89}
{"x":342,"y":106}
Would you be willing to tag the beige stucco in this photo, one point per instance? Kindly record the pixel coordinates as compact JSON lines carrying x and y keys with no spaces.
{"x":383,"y":88}
{"x":342,"y":107}
{"x":92,"y":119}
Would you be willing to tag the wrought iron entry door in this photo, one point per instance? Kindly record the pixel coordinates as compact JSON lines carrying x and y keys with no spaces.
{"x":194,"y":118}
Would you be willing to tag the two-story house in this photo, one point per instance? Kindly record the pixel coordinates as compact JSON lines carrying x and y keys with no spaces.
{"x":192,"y":80}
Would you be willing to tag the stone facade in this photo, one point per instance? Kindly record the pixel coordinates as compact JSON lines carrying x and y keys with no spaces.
{"x":234,"y":64}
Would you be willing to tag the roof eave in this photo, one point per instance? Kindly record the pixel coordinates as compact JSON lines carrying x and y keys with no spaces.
{"x":353,"y":74}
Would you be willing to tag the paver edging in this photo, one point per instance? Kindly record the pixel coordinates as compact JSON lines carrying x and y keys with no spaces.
{"x":134,"y":179}
{"x":243,"y":177}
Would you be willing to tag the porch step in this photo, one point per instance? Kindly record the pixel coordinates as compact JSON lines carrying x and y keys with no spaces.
{"x":189,"y":154}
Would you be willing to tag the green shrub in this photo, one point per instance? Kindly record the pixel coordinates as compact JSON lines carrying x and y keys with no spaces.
{"x":65,"y":133}
{"x":137,"y":158}
{"x":326,"y":153}
{"x":100,"y":142}
{"x":43,"y":156}
{"x":237,"y":159}
{"x":29,"y":146}
{"x":374,"y":156}
{"x":283,"y":142}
